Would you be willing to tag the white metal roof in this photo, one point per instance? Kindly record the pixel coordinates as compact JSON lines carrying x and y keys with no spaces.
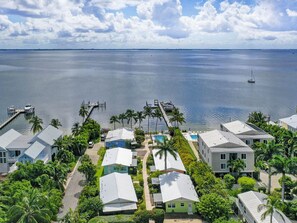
{"x":291,"y":121}
{"x":251,"y":200}
{"x":171,"y":162}
{"x":34,"y":150}
{"x":175,"y":186}
{"x":119,"y":207}
{"x":118,"y":156}
{"x":49,"y":135}
{"x":8,"y":137}
{"x":117,"y":188}
{"x":123,"y":133}
{"x":22,"y":142}
{"x":218,"y":138}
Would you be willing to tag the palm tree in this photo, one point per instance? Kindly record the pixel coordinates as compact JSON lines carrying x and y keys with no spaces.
{"x":36,"y":124}
{"x":158,"y":115}
{"x":31,"y":209}
{"x":75,"y":129}
{"x":148,"y":112}
{"x":166,"y":147}
{"x":56,"y":123}
{"x":257,"y":118}
{"x":71,"y":217}
{"x":122,"y":117}
{"x":272,"y":206}
{"x":290,"y":142}
{"x":58,"y":173}
{"x":264,"y":153}
{"x":83,"y":111}
{"x":236,"y":166}
{"x":130,"y":115}
{"x":139,"y":117}
{"x":113,"y":120}
{"x":284,"y":165}
{"x":177,"y":117}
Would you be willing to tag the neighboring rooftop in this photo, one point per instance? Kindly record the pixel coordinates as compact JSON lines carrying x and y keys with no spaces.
{"x":34,"y":150}
{"x":8,"y":137}
{"x":118,"y":156}
{"x":175,"y":186}
{"x":252,"y":200}
{"x":22,"y":142}
{"x":172,"y":163}
{"x":118,"y":134}
{"x":117,"y":192}
{"x":48,"y":135}
{"x":291,"y":121}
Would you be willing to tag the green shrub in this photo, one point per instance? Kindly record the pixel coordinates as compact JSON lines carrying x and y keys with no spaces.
{"x":139,"y":191}
{"x":229,"y":181}
{"x":246,"y":183}
{"x":113,"y":219}
{"x":158,"y":215}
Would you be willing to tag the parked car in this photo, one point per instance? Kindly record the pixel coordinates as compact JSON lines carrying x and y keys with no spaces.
{"x":91,"y":144}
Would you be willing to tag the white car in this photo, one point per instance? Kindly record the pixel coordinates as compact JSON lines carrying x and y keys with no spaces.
{"x":91,"y":144}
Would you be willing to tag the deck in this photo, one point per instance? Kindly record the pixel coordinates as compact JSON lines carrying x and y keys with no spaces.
{"x":165,"y":117}
{"x":16,"y":114}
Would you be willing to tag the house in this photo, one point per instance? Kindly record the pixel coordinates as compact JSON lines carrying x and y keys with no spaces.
{"x":218,"y":147}
{"x":119,"y":138}
{"x":15,"y":147}
{"x":117,"y":193}
{"x":248,"y":204}
{"x":172,"y":163}
{"x":177,"y":193}
{"x":247,"y":132}
{"x":118,"y":160}
{"x":289,"y":123}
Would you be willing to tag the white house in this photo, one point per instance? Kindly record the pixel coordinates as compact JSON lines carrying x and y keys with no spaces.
{"x":117,"y":193}
{"x":177,"y":193}
{"x":248,"y":204}
{"x":172,"y":163}
{"x":118,"y":160}
{"x":289,"y":123}
{"x":15,"y":147}
{"x":217,"y":147}
{"x":247,"y":132}
{"x":119,"y":138}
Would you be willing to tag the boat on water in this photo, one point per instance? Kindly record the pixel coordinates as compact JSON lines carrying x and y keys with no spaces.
{"x":252,"y":80}
{"x":29,"y":109}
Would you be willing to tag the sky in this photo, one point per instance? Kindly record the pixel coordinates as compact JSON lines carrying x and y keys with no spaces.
{"x":152,"y":24}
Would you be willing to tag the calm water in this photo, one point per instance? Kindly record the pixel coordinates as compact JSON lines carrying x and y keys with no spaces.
{"x":209,"y":86}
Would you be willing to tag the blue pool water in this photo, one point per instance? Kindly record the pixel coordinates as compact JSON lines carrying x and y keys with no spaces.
{"x":159,"y":138}
{"x":194,"y":137}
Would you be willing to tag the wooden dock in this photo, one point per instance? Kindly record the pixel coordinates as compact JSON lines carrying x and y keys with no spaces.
{"x":92,"y":106}
{"x":165,"y":117}
{"x":16,"y":114}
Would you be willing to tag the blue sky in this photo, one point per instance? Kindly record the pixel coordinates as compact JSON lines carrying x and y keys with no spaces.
{"x":148,"y":24}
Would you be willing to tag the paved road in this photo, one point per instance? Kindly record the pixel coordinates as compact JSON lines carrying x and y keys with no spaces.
{"x":76,"y":182}
{"x":145,"y":176}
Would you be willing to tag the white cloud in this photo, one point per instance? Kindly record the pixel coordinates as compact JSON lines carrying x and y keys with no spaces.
{"x":291,"y":13}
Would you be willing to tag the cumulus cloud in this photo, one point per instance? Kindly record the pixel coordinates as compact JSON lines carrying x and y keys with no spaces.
{"x":291,"y":13}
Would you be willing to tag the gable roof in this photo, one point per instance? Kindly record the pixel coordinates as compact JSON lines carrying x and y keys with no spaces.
{"x":48,"y":135}
{"x":117,"y":188}
{"x":171,"y":162}
{"x":175,"y":186}
{"x":8,"y":137}
{"x":118,"y":134}
{"x":291,"y":121}
{"x":22,"y":142}
{"x":34,"y":150}
{"x":118,"y":156}
{"x":240,"y":128}
{"x":252,"y":200}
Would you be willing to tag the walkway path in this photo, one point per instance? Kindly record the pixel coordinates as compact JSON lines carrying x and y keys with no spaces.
{"x":194,"y":150}
{"x":145,"y":176}
{"x":76,"y":182}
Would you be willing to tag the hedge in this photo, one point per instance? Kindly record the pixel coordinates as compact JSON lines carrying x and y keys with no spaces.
{"x":113,"y":219}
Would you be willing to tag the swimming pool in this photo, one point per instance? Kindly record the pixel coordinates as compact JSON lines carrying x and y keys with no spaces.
{"x":159,"y":138}
{"x":194,"y":137}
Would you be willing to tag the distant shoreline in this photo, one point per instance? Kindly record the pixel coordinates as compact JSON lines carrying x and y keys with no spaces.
{"x":143,"y":49}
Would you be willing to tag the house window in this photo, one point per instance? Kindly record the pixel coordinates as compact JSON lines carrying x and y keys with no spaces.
{"x":2,"y":157}
{"x":243,"y":156}
{"x":223,"y":166}
{"x":17,"y":153}
{"x":182,"y":204}
{"x":171,"y":205}
{"x":248,"y":142}
{"x":223,"y":156}
{"x":265,"y":141}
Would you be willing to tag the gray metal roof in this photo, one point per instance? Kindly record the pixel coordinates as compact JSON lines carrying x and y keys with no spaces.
{"x":157,"y":198}
{"x":172,"y":163}
{"x":8,"y":137}
{"x":118,"y":156}
{"x":119,"y":207}
{"x":34,"y":150}
{"x":49,"y":135}
{"x":118,"y":134}
{"x":22,"y":142}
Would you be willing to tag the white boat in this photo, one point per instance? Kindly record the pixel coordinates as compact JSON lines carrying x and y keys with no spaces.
{"x":252,"y":80}
{"x":29,"y":109}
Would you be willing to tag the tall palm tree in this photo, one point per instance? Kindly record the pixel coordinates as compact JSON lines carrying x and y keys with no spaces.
{"x":166,"y":147}
{"x":257,"y":118}
{"x":130,"y":115}
{"x":75,"y":129}
{"x":284,"y":165}
{"x":236,"y":166}
{"x":272,"y":206}
{"x":83,"y":111}
{"x":58,"y":173}
{"x":148,"y":112}
{"x":290,"y":142}
{"x":139,"y":117}
{"x":177,"y":117}
{"x":158,"y":115}
{"x":122,"y":117}
{"x":36,"y":124}
{"x":113,"y":120}
{"x":264,"y":153}
{"x":56,"y":123}
{"x":31,"y":209}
